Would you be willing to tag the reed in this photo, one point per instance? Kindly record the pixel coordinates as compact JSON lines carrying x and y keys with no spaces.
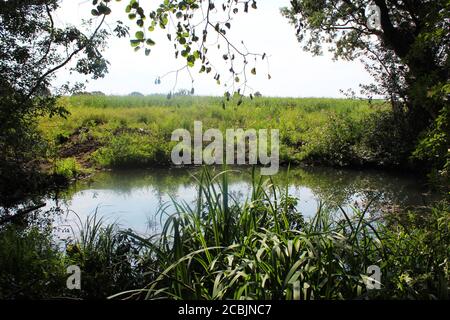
{"x":262,"y":248}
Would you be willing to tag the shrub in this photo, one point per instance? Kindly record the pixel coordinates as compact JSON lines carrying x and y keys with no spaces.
{"x":133,"y":150}
{"x":31,"y":265}
{"x":385,"y":140}
{"x":434,"y":146}
{"x":334,"y":143}
{"x":109,"y":259}
{"x":67,"y":168}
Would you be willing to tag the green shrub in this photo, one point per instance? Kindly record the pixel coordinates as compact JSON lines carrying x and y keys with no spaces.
{"x":110,"y":260}
{"x":385,"y":140}
{"x":434,"y":147}
{"x":94,"y":120}
{"x":31,"y":266}
{"x":67,"y":168}
{"x":133,"y":150}
{"x":334,"y":143}
{"x":376,"y":139}
{"x":262,"y":249}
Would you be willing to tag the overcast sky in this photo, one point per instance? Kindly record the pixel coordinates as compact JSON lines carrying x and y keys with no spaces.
{"x":294,"y":73}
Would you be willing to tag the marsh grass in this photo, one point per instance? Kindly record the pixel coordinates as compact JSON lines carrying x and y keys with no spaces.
{"x":108,"y":258}
{"x":219,"y":248}
{"x":136,"y":131}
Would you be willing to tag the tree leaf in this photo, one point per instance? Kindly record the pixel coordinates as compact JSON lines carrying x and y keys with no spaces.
{"x":139,"y":35}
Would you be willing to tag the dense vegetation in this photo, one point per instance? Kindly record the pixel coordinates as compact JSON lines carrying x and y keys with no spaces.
{"x":221,"y":248}
{"x":121,"y":132}
{"x":218,"y":248}
{"x":404,"y":45}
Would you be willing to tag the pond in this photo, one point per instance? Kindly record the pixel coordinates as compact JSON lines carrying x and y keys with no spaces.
{"x":133,"y":198}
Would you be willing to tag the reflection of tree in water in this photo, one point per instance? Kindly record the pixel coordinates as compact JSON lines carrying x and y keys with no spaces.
{"x":335,"y":186}
{"x":383,"y":188}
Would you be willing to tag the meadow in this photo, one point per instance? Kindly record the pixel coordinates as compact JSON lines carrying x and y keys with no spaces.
{"x":130,"y":131}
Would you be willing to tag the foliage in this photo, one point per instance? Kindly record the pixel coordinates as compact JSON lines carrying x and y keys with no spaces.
{"x":262,"y":249}
{"x":33,"y":48}
{"x":409,"y":43}
{"x":67,"y":168}
{"x":31,"y":265}
{"x":434,"y":144}
{"x":220,"y":248}
{"x":108,"y":258}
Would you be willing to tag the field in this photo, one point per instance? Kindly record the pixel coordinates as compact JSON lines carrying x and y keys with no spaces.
{"x":122,"y":132}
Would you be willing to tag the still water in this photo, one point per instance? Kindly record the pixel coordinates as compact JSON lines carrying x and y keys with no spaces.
{"x":133,"y":198}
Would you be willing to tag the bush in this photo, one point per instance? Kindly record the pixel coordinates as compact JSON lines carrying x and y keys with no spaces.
{"x":67,"y":168}
{"x":334,"y":144}
{"x":110,"y":260}
{"x":133,"y":150}
{"x":377,"y":139}
{"x":31,"y":265}
{"x":385,"y":140}
{"x":434,"y":147}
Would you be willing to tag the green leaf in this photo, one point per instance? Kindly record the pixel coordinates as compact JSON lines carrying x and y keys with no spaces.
{"x":197,"y":54}
{"x":135,"y":43}
{"x":139,"y":35}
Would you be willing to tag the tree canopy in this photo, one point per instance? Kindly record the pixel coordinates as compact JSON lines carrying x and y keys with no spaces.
{"x":32,"y":49}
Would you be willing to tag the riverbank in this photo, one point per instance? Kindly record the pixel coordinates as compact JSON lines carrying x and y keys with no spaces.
{"x":135,"y":132}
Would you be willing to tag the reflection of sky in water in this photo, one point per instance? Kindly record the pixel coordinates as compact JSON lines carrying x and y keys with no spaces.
{"x":133,"y":202}
{"x":137,"y":208}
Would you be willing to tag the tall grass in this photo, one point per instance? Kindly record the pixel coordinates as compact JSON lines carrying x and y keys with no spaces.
{"x":219,"y":248}
{"x":136,"y":131}
{"x":108,"y":258}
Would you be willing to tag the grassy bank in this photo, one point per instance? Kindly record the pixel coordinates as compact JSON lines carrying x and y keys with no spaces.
{"x":218,"y":248}
{"x":118,"y":132}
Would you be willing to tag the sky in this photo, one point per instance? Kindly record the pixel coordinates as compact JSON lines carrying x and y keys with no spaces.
{"x":294,"y":73}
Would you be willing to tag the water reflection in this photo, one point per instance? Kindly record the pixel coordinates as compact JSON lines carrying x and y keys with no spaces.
{"x":133,"y":198}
